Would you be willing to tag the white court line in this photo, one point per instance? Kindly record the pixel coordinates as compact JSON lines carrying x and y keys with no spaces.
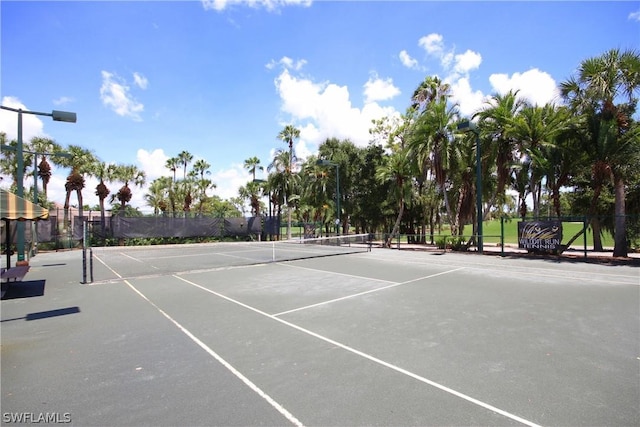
{"x":335,"y":273}
{"x":222,"y":361}
{"x":130,"y":257}
{"x":517,"y":270}
{"x":105,"y":264}
{"x":370,"y":357}
{"x":365,"y":292}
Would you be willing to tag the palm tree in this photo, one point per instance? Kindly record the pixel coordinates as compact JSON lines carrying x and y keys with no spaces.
{"x":432,"y":136}
{"x":287,"y":135}
{"x":536,"y":128}
{"x":44,"y":145}
{"x":81,"y":162}
{"x":200,"y":168}
{"x":127,"y":174}
{"x":184,"y":158}
{"x":172,"y":164}
{"x":251,"y":164}
{"x":157,"y":193}
{"x":495,"y":121}
{"x":597,"y":91}
{"x":396,"y":170}
{"x":278,"y":180}
{"x":103,"y":172}
{"x":432,"y":89}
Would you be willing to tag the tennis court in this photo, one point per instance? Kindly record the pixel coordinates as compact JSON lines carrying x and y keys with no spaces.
{"x":386,"y":337}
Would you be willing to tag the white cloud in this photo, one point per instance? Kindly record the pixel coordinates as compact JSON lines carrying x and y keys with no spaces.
{"x":466,"y":62}
{"x":140,"y":80}
{"x":328,"y":108}
{"x":468,"y":100}
{"x":270,"y":5}
{"x":116,"y":95}
{"x":432,"y":44}
{"x":407,"y":60}
{"x":635,"y":16}
{"x":377,"y":89}
{"x":287,"y":63}
{"x":63,"y":100}
{"x":228,"y":181}
{"x":536,"y":86}
{"x":152,"y":163}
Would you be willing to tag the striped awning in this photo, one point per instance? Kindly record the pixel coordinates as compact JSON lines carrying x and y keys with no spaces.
{"x":17,"y":208}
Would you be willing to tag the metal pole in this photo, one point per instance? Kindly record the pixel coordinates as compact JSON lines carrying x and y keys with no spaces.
{"x":585,"y":224}
{"x":479,"y":191}
{"x":502,"y":236}
{"x":84,"y":252}
{"x":35,"y":178}
{"x":34,"y":230}
{"x":91,"y":263}
{"x":337,"y":199}
{"x":20,"y":189}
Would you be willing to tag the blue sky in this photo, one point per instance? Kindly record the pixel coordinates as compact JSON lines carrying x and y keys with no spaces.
{"x":221,"y":78}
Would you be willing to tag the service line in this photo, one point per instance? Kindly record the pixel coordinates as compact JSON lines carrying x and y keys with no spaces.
{"x":393,"y":285}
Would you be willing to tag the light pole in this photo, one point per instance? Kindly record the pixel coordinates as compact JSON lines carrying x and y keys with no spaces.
{"x":322,"y":162}
{"x":58,"y":116}
{"x":468,"y":126}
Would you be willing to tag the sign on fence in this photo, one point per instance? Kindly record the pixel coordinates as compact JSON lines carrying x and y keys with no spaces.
{"x":540,"y":235}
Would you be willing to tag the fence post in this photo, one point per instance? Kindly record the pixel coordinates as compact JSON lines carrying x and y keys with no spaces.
{"x":501,"y":235}
{"x":584,"y":236}
{"x":84,"y":251}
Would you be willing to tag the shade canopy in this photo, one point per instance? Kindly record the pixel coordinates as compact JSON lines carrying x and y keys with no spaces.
{"x":13,"y":207}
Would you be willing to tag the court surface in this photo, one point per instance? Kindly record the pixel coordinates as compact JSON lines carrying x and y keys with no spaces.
{"x":388,"y":338}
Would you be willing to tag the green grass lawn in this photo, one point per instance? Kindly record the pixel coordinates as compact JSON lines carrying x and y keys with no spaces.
{"x":491,"y":231}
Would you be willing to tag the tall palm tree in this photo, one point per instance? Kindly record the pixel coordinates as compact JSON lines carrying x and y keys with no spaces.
{"x":287,"y":135}
{"x":127,"y":174}
{"x":44,"y":145}
{"x":495,"y":121}
{"x":81,"y":162}
{"x":432,"y":89}
{"x":252,"y":164}
{"x":200,"y":169}
{"x":172,"y":164}
{"x":104,"y":172}
{"x":605,"y":89}
{"x":433,"y":134}
{"x":278,"y":180}
{"x":536,"y":128}
{"x":396,"y":169}
{"x":185,"y":158}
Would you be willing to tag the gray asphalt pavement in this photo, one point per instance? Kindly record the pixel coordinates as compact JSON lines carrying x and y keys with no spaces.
{"x":383,"y":338}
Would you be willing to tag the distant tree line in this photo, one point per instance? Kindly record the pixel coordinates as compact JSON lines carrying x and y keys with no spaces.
{"x":579,"y":157}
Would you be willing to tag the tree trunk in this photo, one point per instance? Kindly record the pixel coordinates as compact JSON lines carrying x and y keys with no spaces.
{"x":396,"y":226}
{"x":102,"y":219}
{"x":620,"y":236}
{"x":452,"y":220}
{"x":597,"y":234}
{"x":66,"y":209}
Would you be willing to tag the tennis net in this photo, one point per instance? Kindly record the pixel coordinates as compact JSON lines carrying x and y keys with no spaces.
{"x":118,"y":262}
